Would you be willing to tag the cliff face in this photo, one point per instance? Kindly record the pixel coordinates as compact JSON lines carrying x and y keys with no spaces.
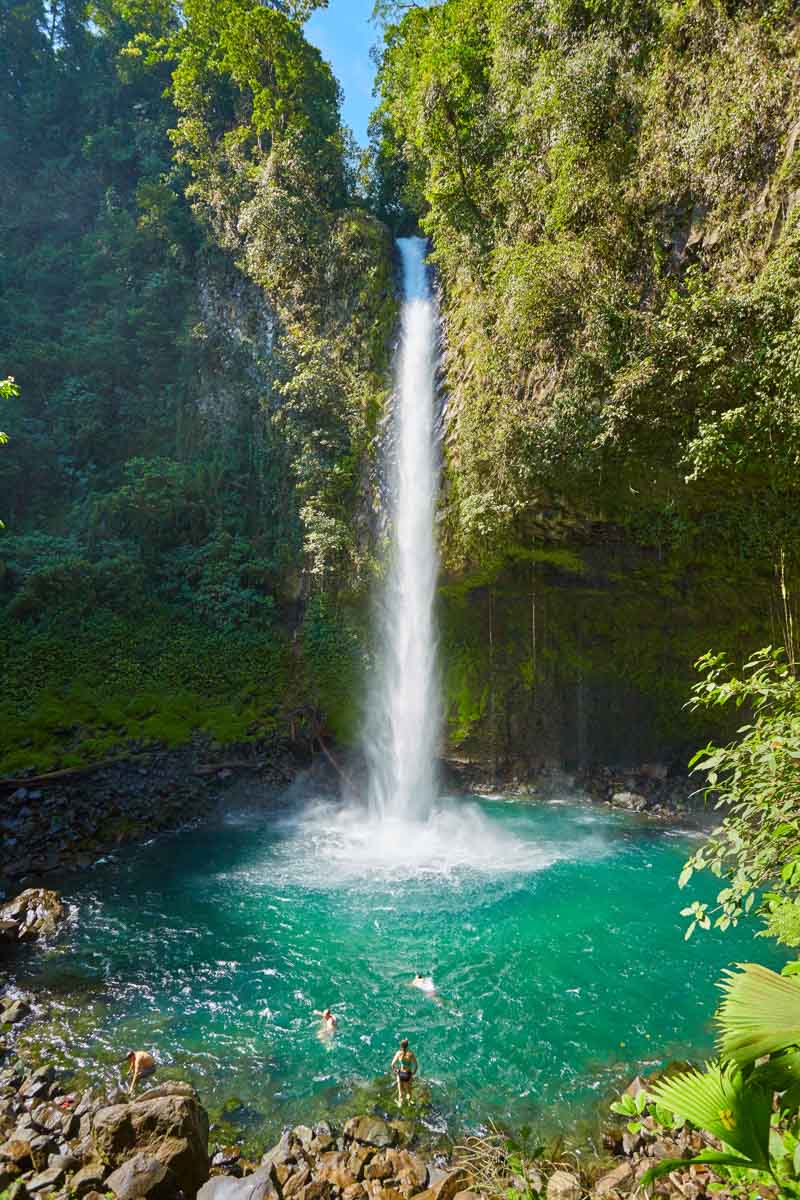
{"x":199,"y":306}
{"x":198,"y":310}
{"x":612,"y":194}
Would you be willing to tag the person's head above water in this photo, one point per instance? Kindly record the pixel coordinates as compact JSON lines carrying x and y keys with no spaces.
{"x":403,"y":1043}
{"x":131,"y":1054}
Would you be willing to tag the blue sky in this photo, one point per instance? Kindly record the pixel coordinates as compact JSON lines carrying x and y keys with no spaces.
{"x":344,"y":33}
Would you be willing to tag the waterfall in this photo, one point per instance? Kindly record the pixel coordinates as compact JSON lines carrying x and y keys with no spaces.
{"x":404,"y":718}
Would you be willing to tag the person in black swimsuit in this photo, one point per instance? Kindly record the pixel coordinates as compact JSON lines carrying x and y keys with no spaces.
{"x":405,"y":1067}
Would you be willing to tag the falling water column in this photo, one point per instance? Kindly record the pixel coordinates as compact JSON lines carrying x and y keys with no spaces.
{"x":403,"y":727}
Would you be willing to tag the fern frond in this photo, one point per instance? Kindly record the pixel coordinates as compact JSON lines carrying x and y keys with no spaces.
{"x":720,"y":1101}
{"x":760,"y":1013}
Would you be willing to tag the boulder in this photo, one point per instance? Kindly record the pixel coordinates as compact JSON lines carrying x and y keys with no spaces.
{"x":449,"y":1187}
{"x":142,"y":1175}
{"x":316,"y":1189}
{"x":67,"y":1162}
{"x":88,"y":1179}
{"x":15,"y":1012}
{"x":52,"y":1177}
{"x":377,"y":1191}
{"x":359,"y":1157}
{"x":258,"y":1186}
{"x":297,"y":1182}
{"x":409,"y":1169}
{"x":168,"y":1124}
{"x":303,"y":1135}
{"x":334,"y":1166}
{"x":563,"y":1185}
{"x":36,"y":912}
{"x":282,"y":1152}
{"x":17,"y":1151}
{"x":630,"y":800}
{"x":379,"y":1168}
{"x":371,"y":1131}
{"x":618,"y":1180}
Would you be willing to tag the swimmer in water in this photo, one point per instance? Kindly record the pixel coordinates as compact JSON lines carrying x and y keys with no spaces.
{"x":404,"y":1067}
{"x":424,"y":983}
{"x":329,"y":1023}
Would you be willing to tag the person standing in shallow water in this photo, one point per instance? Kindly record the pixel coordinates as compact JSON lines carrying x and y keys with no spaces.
{"x":405,"y":1067}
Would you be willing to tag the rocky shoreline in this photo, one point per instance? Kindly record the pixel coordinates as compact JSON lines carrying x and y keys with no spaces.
{"x":649,"y":788}
{"x":60,"y":1144}
{"x":64,"y":821}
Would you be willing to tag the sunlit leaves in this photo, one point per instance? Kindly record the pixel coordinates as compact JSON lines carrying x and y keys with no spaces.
{"x":755,"y":782}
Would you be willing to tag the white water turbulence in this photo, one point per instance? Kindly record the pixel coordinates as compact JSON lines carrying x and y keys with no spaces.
{"x":405,"y":718}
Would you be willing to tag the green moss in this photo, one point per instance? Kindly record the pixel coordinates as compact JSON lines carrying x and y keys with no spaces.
{"x":74,"y":695}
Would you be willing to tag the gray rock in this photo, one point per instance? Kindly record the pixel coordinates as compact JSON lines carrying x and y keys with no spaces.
{"x":53,"y":1177}
{"x":618,"y":1180}
{"x":14,"y":1013}
{"x":258,"y":1186}
{"x":88,"y":1179}
{"x":142,"y":1175}
{"x":280,"y":1153}
{"x":67,"y":1162}
{"x":630,"y":800}
{"x":169,"y":1125}
{"x":371,"y":1131}
{"x":563,"y":1185}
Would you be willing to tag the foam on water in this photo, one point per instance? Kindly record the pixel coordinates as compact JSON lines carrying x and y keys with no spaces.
{"x":332,"y":845}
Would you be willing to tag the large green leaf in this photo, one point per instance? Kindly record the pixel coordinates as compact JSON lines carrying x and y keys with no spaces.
{"x":760,"y":1013}
{"x":708,"y":1158}
{"x":722,"y":1102}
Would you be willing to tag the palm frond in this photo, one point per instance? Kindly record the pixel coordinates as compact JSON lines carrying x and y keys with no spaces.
{"x":760,"y":1013}
{"x":709,"y":1158}
{"x":721,"y":1101}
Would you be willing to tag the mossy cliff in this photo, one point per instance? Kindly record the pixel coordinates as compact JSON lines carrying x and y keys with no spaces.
{"x":612,"y":192}
{"x":199,"y":306}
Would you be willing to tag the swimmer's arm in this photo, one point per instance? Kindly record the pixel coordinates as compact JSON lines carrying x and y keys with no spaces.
{"x":414,"y":1063}
{"x":395,"y":1059}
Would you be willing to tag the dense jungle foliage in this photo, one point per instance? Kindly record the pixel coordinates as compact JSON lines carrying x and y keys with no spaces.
{"x":197,"y":305}
{"x":197,"y":308}
{"x":612,"y":192}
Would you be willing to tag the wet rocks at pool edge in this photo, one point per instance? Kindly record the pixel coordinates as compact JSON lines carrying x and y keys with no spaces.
{"x":54,"y":1143}
{"x":34,"y":913}
{"x":58,"y":1145}
{"x":61,"y":1145}
{"x":65,"y":823}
